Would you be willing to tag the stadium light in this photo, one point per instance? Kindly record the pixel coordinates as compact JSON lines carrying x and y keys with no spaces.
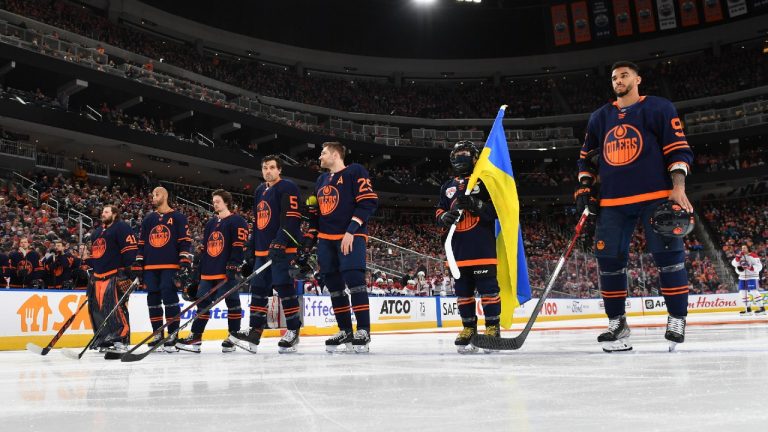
{"x":425,"y":2}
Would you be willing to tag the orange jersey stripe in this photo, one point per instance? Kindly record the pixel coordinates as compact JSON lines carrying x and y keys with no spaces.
{"x":474,"y":262}
{"x":610,"y":202}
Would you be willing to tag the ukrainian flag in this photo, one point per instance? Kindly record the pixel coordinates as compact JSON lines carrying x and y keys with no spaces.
{"x":495,"y":170}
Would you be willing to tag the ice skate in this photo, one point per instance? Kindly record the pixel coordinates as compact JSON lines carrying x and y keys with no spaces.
{"x":247,"y":340}
{"x":675,"y":333}
{"x":760,"y":312}
{"x":115,"y":351}
{"x":190,"y":343}
{"x":155,"y":340}
{"x":227,"y":346}
{"x":463,"y":341}
{"x":617,"y":337}
{"x":334,"y":343}
{"x":493,"y":331}
{"x":170,"y":345}
{"x":360,"y":341}
{"x":746,"y":312}
{"x":288,"y":342}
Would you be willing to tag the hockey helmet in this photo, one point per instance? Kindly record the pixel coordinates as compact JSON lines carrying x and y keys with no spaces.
{"x":671,"y":220}
{"x":463,"y":165}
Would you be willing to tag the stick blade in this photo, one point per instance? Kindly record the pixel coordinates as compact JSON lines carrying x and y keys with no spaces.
{"x":131,"y":357}
{"x":36,"y":349}
{"x":70,"y":354}
{"x":495,"y":343}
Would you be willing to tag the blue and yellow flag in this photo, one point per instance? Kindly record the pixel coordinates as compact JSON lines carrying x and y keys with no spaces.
{"x":495,"y":170}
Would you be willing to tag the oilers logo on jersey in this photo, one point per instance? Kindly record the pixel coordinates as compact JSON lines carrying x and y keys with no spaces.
{"x":622,"y":145}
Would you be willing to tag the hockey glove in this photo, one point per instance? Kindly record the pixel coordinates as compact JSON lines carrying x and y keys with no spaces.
{"x":308,"y":242}
{"x":449,"y":218}
{"x":247,"y":267}
{"x":740,"y":269}
{"x":470,"y":203}
{"x":233,"y":271}
{"x":586,"y":197}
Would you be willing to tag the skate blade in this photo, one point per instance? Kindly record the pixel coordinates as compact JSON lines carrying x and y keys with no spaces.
{"x":489,"y":351}
{"x":169,"y":349}
{"x":286,"y":350}
{"x":361,"y":349}
{"x":188,"y":350}
{"x":672,"y":346}
{"x":245,"y":346}
{"x":467,"y":349}
{"x":339,"y":349}
{"x":228,"y":350}
{"x":616,"y":346}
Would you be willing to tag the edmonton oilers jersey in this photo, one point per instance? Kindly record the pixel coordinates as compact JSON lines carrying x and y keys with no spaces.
{"x":162,"y":238}
{"x":474,"y":241}
{"x":344,"y":197}
{"x":638,"y":145}
{"x":58,"y":269}
{"x":27,"y":264}
{"x":113,"y":247}
{"x":276,"y":209}
{"x":224,"y":241}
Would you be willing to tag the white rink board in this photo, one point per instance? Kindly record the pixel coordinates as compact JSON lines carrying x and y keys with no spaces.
{"x":38,"y":313}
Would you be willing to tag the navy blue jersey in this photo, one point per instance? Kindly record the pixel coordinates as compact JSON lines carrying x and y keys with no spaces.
{"x":276,"y":208}
{"x":164,"y":240}
{"x":639,"y":145}
{"x":474,"y":241}
{"x":345,"y":201}
{"x":224,"y":243}
{"x":113,"y":248}
{"x":58,"y":268}
{"x":24,"y":267}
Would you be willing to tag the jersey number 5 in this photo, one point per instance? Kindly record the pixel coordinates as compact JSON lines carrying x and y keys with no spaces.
{"x":242,"y":234}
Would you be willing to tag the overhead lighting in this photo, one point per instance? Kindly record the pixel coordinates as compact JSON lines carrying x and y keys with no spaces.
{"x":425,"y":2}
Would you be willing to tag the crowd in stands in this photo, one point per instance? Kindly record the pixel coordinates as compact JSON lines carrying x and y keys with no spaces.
{"x":738,"y":222}
{"x":689,"y":77}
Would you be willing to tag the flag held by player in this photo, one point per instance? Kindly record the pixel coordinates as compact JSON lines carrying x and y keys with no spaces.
{"x":494,"y":168}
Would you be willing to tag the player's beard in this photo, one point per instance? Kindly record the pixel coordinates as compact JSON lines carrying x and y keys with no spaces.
{"x":108,"y":221}
{"x":627,"y":89}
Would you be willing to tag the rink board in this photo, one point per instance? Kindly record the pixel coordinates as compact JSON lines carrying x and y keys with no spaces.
{"x":36,"y":315}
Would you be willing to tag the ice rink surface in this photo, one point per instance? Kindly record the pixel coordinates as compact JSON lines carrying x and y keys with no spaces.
{"x":559,"y":381}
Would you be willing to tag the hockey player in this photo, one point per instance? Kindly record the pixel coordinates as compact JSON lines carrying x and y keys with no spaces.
{"x":637,"y":148}
{"x":112,"y":256}
{"x":748,"y":266}
{"x":164,"y":251}
{"x":225,"y":236}
{"x":275,"y":232}
{"x":474,"y":245}
{"x":59,"y":267}
{"x":345,"y":200}
{"x":24,"y":265}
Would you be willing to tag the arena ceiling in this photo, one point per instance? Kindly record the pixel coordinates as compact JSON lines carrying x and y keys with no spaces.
{"x":441,"y":29}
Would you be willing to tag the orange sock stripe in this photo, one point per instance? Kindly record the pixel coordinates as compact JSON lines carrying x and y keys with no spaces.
{"x":674,"y":291}
{"x":205,"y":317}
{"x":360,"y":308}
{"x":613,"y":294}
{"x":496,"y":299}
{"x":290,"y":311}
{"x":235,"y":316}
{"x":155,"y":319}
{"x":341,"y":309}
{"x":465,"y":300}
{"x":172,"y":319}
{"x":259,"y":309}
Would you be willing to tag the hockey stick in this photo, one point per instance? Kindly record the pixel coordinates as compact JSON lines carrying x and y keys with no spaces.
{"x":455,"y":272}
{"x":131,"y":357}
{"x":499,"y":343}
{"x":43,"y":351}
{"x":123,"y":298}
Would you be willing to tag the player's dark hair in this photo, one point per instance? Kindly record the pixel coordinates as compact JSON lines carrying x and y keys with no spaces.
{"x":225,"y":196}
{"x":272,"y":157}
{"x":626,"y":64}
{"x":115,"y":210}
{"x":337,"y":147}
